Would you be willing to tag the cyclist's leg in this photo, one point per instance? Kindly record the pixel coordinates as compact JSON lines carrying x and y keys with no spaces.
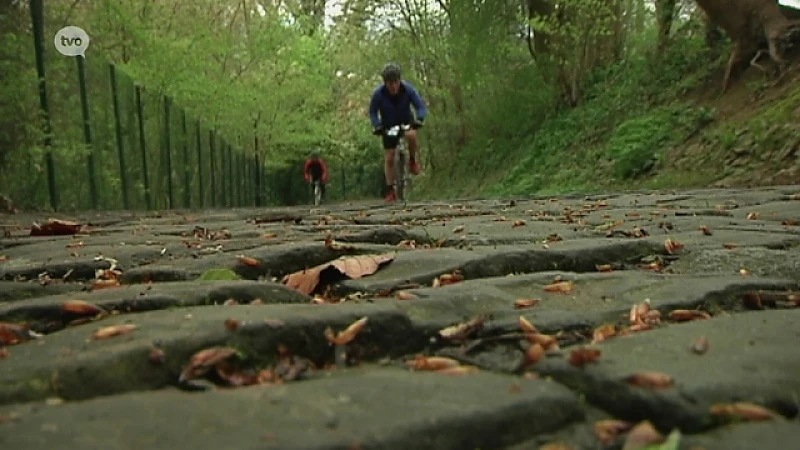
{"x":413,"y":150}
{"x":389,"y":147}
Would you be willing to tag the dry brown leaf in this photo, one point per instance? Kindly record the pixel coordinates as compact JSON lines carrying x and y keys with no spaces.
{"x":638,"y":311}
{"x":790,"y":222}
{"x":706,"y":231}
{"x":56,"y":227}
{"x":607,"y":430}
{"x":348,"y":334}
{"x":729,"y":245}
{"x":603,"y":332}
{"x":547,"y":341}
{"x":458,"y":229}
{"x":4,"y":353}
{"x":448,"y":278}
{"x":518,"y":223}
{"x":671,"y":245}
{"x":682,"y":315}
{"x":583,"y":355}
{"x":603,"y":267}
{"x":532,"y":354}
{"x":247,"y":261}
{"x":744,"y":411}
{"x":156,"y":356}
{"x":104,"y":284}
{"x":642,"y":435}
{"x":3,"y":258}
{"x":561,"y":286}
{"x":525,"y":302}
{"x":650,"y":379}
{"x":753,"y":215}
{"x":81,"y":307}
{"x":429,"y":363}
{"x":12,"y":333}
{"x":113,"y":330}
{"x":353,"y":267}
{"x":700,"y":345}
{"x":204,"y":360}
{"x":526,"y":326}
{"x":405,"y":295}
{"x":462,"y":330}
{"x":231,"y":324}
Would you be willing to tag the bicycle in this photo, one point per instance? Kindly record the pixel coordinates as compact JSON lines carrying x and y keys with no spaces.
{"x":317,"y":187}
{"x":402,"y":181}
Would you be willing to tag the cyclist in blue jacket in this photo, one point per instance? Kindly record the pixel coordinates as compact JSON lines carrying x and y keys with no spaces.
{"x":392,"y":100}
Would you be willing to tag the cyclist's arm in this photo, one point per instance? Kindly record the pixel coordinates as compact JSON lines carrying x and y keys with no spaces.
{"x":416,"y":100}
{"x":306,"y":175}
{"x":373,"y":108}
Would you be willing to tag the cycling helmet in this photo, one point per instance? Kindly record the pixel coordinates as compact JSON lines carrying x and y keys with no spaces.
{"x":390,"y":72}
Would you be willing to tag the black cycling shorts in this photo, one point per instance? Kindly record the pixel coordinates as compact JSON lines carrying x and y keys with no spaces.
{"x":390,"y":141}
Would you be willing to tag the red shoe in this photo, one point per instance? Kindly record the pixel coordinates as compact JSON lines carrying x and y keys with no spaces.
{"x":389,"y":197}
{"x":414,"y":165}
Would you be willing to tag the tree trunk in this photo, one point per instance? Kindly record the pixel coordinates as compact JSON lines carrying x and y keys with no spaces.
{"x":665,"y":12}
{"x":754,"y":26}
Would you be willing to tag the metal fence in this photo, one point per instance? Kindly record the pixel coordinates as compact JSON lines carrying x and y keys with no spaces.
{"x":110,"y":143}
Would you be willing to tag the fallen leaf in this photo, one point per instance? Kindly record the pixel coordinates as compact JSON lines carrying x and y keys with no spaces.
{"x":353,"y":267}
{"x":525,"y":302}
{"x":348,"y":334}
{"x":700,"y":345}
{"x":671,"y":246}
{"x":4,"y":353}
{"x":583,"y":355}
{"x":81,"y":307}
{"x":603,"y":267}
{"x":642,"y":435}
{"x":458,"y":229}
{"x":247,"y":261}
{"x":113,"y":330}
{"x":104,"y":284}
{"x":607,"y":430}
{"x":518,"y":223}
{"x":682,"y":315}
{"x":12,"y":333}
{"x":448,"y":278}
{"x":532,"y":354}
{"x":744,"y":411}
{"x":729,"y":245}
{"x":3,"y":258}
{"x":706,"y":231}
{"x":561,"y":286}
{"x":421,"y":362}
{"x":526,"y":326}
{"x":545,"y":340}
{"x":753,"y":215}
{"x":156,"y":355}
{"x":405,"y":295}
{"x":650,"y":379}
{"x":637,"y":312}
{"x":790,"y":222}
{"x":462,"y":330}
{"x":55,"y":227}
{"x":603,"y":332}
{"x":204,"y":360}
{"x":231,"y":324}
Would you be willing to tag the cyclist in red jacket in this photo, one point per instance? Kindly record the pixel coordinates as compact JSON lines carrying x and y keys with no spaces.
{"x":315,"y":169}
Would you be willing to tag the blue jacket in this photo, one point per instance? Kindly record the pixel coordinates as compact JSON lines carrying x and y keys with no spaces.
{"x":395,"y":110}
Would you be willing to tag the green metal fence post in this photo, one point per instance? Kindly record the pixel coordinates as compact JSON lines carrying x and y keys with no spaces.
{"x":187,"y":199}
{"x":37,"y":17}
{"x":143,"y":148}
{"x":87,"y":131}
{"x":167,"y":154}
{"x":123,"y":170}
{"x":202,"y":201}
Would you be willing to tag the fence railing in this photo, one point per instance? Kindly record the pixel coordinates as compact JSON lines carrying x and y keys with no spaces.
{"x":110,"y":143}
